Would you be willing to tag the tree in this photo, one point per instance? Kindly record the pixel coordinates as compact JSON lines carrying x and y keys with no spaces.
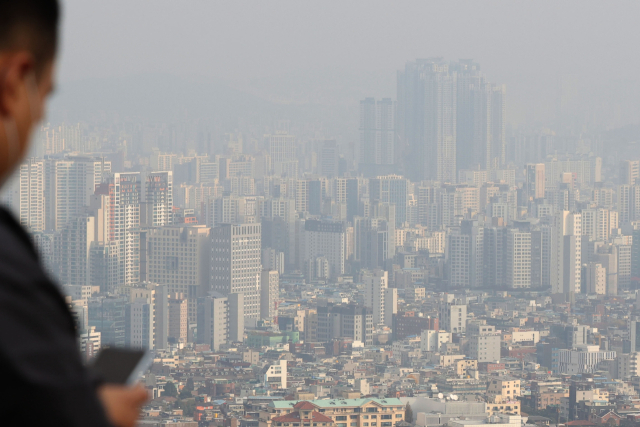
{"x":170,"y":390}
{"x":188,"y":407}
{"x":185,"y":393}
{"x":408,"y":414}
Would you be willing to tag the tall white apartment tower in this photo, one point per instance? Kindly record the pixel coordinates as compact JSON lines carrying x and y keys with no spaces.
{"x":158,"y":199}
{"x":566,"y":253}
{"x":69,"y":185}
{"x":28,"y":201}
{"x":453,"y":316}
{"x":375,"y":285}
{"x":597,"y":224}
{"x":518,"y":262}
{"x":215,"y":329}
{"x":236,"y":263}
{"x":535,"y":185}
{"x":125,"y":193}
{"x":269,"y":293}
{"x":377,"y":134}
{"x":72,"y":248}
{"x":440,"y":96}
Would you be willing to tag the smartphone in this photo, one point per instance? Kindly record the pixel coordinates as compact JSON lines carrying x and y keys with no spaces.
{"x":121,"y":366}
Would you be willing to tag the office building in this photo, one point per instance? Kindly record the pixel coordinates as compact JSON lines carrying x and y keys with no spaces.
{"x":146,"y":316}
{"x":107,"y":315}
{"x":179,"y":257}
{"x":453,"y":317}
{"x":583,"y":359}
{"x":271,"y":258}
{"x":349,"y":321}
{"x":322,"y":239}
{"x":433,"y":340}
{"x":484,"y":342}
{"x":236,"y":264}
{"x":275,"y":376}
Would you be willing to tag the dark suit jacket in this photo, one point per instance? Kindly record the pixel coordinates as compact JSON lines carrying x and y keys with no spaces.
{"x":44,"y":380}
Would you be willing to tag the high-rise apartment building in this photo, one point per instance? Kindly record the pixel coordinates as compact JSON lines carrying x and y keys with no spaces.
{"x":566,"y":253}
{"x":328,"y":158}
{"x":373,"y":242}
{"x":123,"y":191}
{"x":213,"y":329}
{"x":597,"y":224}
{"x":596,"y":279}
{"x":236,"y":317}
{"x":379,"y":298}
{"x":518,"y":259}
{"x":634,"y":334}
{"x":282,"y":150}
{"x":26,"y":195}
{"x":377,"y":136}
{"x":72,"y":251}
{"x":535,"y":181}
{"x":629,"y":172}
{"x":464,"y":256}
{"x":236,"y":263}
{"x":448,"y":114}
{"x":607,"y":256}
{"x":69,"y":185}
{"x":480,"y":123}
{"x":392,"y":189}
{"x":269,"y":294}
{"x":177,"y":318}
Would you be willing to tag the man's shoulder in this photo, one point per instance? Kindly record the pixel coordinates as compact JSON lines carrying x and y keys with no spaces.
{"x":18,"y":256}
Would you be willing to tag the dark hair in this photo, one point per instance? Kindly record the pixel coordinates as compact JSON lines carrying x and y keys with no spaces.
{"x":31,"y":25}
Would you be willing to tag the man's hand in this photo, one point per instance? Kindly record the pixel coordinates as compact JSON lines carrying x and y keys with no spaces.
{"x":122,"y":404}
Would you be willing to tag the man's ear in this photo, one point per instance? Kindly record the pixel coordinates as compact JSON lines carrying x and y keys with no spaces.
{"x":14,"y":68}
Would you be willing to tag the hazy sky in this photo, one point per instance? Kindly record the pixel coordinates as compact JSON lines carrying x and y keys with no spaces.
{"x":317,"y":50}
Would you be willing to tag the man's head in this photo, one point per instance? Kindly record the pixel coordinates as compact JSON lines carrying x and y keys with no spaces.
{"x":28,"y":43}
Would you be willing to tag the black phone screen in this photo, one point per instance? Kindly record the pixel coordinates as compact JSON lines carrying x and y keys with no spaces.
{"x":115,"y":366}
